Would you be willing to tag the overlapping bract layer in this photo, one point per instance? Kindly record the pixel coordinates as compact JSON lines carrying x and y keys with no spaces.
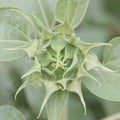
{"x":60,"y":64}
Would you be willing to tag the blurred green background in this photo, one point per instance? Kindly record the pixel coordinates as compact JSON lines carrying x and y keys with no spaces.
{"x":101,"y":23}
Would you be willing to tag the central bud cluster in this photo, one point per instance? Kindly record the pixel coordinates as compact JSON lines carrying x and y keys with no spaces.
{"x":59,"y":58}
{"x":61,"y":62}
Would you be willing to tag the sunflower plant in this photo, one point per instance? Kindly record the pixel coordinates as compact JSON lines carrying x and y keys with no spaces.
{"x":63,"y":63}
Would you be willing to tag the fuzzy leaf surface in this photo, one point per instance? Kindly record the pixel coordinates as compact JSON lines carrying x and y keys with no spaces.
{"x":71,"y":11}
{"x":112,"y":55}
{"x":110,"y":84}
{"x":6,"y":55}
{"x":27,"y":24}
{"x":57,"y":105}
{"x":50,"y":89}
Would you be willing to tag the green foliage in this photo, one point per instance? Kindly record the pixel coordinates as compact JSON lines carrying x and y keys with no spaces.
{"x":109,"y":84}
{"x":62,"y":61}
{"x":10,"y":113}
{"x":58,"y":104}
{"x":71,"y":12}
{"x":112,"y":55}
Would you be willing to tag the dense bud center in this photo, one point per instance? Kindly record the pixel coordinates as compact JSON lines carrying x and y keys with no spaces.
{"x":59,"y":58}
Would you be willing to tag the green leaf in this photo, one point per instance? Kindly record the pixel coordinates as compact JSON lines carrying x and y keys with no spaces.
{"x":66,"y":106}
{"x":75,"y":87}
{"x":112,"y":53}
{"x":22,"y":20}
{"x":114,"y":65}
{"x":10,"y":113}
{"x":6,"y":44}
{"x":93,"y":34}
{"x":33,"y":20}
{"x":16,"y":21}
{"x":109,"y":80}
{"x":71,"y":11}
{"x":69,"y":52}
{"x":30,"y":48}
{"x":57,"y":104}
{"x":9,"y":17}
{"x":86,"y":47}
{"x":6,"y":55}
{"x":46,"y":11}
{"x":10,"y":32}
{"x":110,"y":84}
{"x":58,"y":43}
{"x":45,"y":58}
{"x":83,"y":73}
{"x":75,"y":110}
{"x":34,"y":79}
{"x":91,"y":61}
{"x":64,"y":29}
{"x":51,"y":88}
{"x":40,"y":8}
{"x":36,"y":68}
{"x":73,"y":65}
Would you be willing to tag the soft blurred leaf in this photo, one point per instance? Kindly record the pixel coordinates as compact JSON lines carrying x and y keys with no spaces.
{"x":112,"y":7}
{"x":97,"y":15}
{"x":111,"y":107}
{"x":6,"y":85}
{"x":10,"y":113}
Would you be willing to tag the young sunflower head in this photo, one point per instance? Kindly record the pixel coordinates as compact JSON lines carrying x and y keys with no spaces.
{"x":59,"y":58}
{"x":61,"y":61}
